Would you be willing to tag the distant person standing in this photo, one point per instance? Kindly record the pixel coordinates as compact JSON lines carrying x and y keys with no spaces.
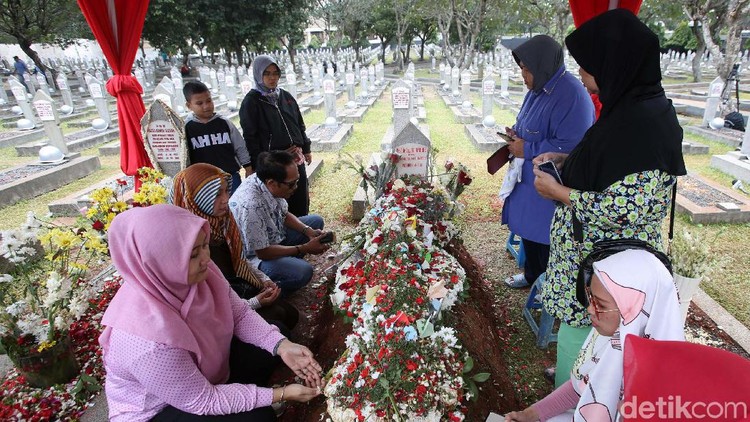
{"x":21,"y":71}
{"x":271,"y":121}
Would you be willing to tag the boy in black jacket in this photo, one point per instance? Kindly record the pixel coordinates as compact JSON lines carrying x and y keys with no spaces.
{"x":212,"y":138}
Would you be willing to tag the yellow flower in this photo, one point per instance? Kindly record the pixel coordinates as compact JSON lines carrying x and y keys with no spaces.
{"x":120,"y":206}
{"x":46,"y":345}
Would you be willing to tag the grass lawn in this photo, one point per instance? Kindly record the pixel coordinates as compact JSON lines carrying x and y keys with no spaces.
{"x":334,"y":187}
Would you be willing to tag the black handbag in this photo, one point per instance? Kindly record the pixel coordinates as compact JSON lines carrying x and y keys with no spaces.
{"x":605,"y":248}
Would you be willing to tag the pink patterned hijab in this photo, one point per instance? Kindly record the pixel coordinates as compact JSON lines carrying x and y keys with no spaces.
{"x":151,"y":249}
{"x":645,"y":294}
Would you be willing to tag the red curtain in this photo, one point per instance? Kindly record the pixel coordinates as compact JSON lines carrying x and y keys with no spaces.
{"x":117,"y":26}
{"x":584,"y":10}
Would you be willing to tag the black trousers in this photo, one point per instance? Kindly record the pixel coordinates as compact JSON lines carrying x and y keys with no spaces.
{"x":248,"y":364}
{"x":537,"y":257}
{"x":299,"y":202}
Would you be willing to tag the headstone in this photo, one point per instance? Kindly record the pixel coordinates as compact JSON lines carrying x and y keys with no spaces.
{"x":454,"y":81}
{"x":364,"y":93}
{"x":488,"y":95}
{"x":179,"y":97}
{"x":401,"y":101}
{"x":413,"y":149}
{"x":212,"y":75}
{"x":47,"y":113}
{"x":19,"y":93}
{"x":316,"y":83}
{"x":371,"y":75}
{"x":465,"y":85}
{"x":442,"y":73}
{"x":329,"y":96}
{"x":163,"y":134}
{"x":291,"y":82}
{"x":504,"y":76}
{"x":67,"y":96}
{"x":349,"y":77}
{"x":3,"y":94}
{"x":246,"y":85}
{"x":96,"y":90}
{"x":140,"y":77}
{"x":231,"y":90}
{"x":164,"y":91}
{"x":43,"y":82}
{"x":713,"y":100}
{"x":745,"y":147}
{"x":432,"y":62}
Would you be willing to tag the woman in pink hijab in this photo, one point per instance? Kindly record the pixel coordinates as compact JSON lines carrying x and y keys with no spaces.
{"x":166,"y":345}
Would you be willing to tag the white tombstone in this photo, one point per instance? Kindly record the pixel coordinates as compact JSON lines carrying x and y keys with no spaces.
{"x":349,"y":78}
{"x":165,"y":91}
{"x":96,"y":90}
{"x":246,"y":85}
{"x":488,"y":95}
{"x":504,"y":77}
{"x":62,"y":83}
{"x":47,"y":113}
{"x":713,"y":100}
{"x":466,"y":85}
{"x":401,"y":102}
{"x":454,"y":81}
{"x":19,"y":93}
{"x":413,"y":149}
{"x":291,"y":82}
{"x":329,"y":96}
{"x":163,"y":132}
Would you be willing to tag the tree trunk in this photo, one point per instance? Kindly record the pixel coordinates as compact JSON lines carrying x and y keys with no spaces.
{"x":421,"y":48}
{"x":26,"y":47}
{"x":238,"y":52}
{"x":696,"y":29}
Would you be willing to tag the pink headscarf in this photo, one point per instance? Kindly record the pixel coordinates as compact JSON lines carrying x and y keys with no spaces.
{"x":151,"y":249}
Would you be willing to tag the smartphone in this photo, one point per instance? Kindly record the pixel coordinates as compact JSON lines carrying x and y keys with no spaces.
{"x":505,"y":137}
{"x":549,"y":168}
{"x":328,"y":237}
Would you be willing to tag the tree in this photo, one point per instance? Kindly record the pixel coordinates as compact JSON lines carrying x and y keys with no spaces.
{"x":383,"y":25}
{"x":424,"y":29}
{"x":30,"y":22}
{"x":166,"y":28}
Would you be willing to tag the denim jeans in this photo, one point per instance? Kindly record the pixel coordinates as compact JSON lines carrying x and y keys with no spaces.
{"x":292,"y":273}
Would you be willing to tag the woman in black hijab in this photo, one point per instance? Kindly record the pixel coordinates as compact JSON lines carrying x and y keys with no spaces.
{"x":618,"y":180}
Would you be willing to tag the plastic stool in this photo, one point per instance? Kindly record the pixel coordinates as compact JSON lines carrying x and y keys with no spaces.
{"x":514,"y":245}
{"x":543,"y":329}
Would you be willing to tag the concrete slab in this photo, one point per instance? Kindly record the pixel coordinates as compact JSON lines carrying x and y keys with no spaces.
{"x":32,"y":149}
{"x":708,"y":202}
{"x":730,"y":137}
{"x":723,"y":319}
{"x":352,"y":115}
{"x":733,"y":163}
{"x":71,"y":205}
{"x":19,"y":137}
{"x":46,"y":179}
{"x":334,"y":142}
{"x":694,"y":148}
{"x":466,"y":116}
{"x":479,"y":137}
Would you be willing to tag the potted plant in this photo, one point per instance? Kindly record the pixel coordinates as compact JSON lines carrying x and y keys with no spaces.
{"x":42,"y":295}
{"x":692,"y":261}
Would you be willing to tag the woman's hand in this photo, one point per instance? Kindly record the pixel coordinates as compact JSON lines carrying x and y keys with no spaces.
{"x":300,"y":360}
{"x":308,"y":158}
{"x":300,"y":393}
{"x":268,"y":295}
{"x":558,"y":158}
{"x":527,"y":415}
{"x":548,"y":187}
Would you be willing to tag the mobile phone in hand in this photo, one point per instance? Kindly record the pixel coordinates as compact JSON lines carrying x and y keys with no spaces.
{"x":505,"y":136}
{"x":328,"y":237}
{"x":549,"y":168}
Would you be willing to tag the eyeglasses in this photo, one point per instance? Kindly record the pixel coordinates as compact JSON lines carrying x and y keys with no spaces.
{"x":277,"y":74}
{"x":596,"y":304}
{"x":291,"y":185}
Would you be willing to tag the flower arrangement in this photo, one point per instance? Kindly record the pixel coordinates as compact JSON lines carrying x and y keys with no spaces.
{"x":108,"y":201}
{"x":691,"y":256}
{"x":376,"y":176}
{"x":402,"y":362}
{"x":456,"y":177}
{"x":41,"y":298}
{"x":64,"y":402}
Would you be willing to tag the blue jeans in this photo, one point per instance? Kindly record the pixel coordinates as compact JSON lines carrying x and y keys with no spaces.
{"x":236,"y":181}
{"x":292,"y":273}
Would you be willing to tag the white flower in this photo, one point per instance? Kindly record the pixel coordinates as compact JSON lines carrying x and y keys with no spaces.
{"x":6,"y":278}
{"x":17,"y":308}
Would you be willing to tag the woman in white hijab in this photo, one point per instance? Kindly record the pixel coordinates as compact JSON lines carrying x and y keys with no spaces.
{"x":630,"y":293}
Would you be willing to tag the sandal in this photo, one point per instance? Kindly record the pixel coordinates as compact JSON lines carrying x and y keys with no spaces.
{"x":517,"y":281}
